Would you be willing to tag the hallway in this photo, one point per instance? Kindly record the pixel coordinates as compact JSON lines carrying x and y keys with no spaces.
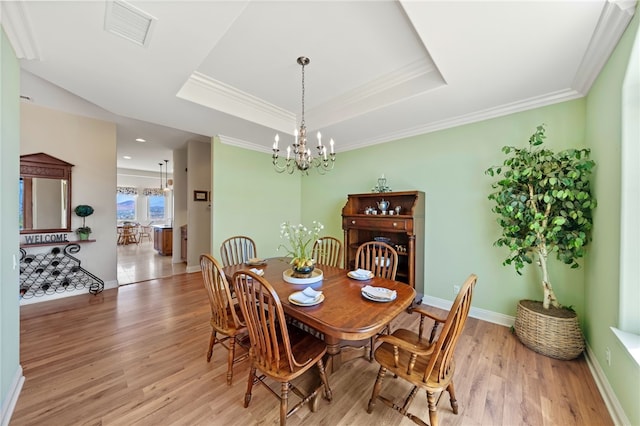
{"x":140,"y":262}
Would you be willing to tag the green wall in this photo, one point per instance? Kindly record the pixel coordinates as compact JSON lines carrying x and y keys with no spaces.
{"x":603,"y":136}
{"x":9,"y":173}
{"x":250,"y":199}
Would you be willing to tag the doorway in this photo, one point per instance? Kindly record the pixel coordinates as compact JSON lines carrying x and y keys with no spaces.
{"x":140,"y":262}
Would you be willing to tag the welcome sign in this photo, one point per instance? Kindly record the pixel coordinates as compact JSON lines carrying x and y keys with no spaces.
{"x":46,"y":239}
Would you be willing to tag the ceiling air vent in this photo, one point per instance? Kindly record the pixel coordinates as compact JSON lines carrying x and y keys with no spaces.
{"x":127,"y":21}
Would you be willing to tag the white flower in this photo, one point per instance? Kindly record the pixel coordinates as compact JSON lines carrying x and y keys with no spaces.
{"x":300,"y":239}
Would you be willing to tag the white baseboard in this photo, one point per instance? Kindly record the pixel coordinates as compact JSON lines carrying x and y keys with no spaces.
{"x":610,"y":400}
{"x":482,"y":314}
{"x":111,"y":284}
{"x":9,"y":403}
{"x":191,"y":269}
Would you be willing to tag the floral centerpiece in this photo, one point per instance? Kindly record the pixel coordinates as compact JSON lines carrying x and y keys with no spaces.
{"x":300,"y":241}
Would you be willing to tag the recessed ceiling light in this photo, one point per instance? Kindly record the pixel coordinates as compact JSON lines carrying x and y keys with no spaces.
{"x":141,"y":140}
{"x":126,"y":157}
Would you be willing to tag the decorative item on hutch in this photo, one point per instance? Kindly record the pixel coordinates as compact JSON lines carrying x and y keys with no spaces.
{"x":381,"y":186}
{"x":300,"y":157}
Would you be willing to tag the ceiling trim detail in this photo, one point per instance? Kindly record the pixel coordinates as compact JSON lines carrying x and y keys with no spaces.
{"x":409,"y":80}
{"x":487,"y":114}
{"x":613,"y":21}
{"x":17,"y":25}
{"x":204,"y":90}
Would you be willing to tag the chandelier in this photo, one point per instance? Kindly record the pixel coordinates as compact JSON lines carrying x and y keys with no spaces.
{"x":167,"y":181}
{"x":299,"y":156}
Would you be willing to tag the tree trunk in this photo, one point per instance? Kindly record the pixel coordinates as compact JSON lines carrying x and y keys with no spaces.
{"x":549,"y":295}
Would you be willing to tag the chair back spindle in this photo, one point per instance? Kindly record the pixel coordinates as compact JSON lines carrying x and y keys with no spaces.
{"x":237,"y":250}
{"x":328,"y":251}
{"x":379,"y":258}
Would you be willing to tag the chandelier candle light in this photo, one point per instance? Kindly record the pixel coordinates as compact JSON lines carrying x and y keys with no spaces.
{"x":300,"y":157}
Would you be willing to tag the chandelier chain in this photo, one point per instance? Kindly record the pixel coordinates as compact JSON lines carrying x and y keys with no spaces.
{"x":302,"y":122}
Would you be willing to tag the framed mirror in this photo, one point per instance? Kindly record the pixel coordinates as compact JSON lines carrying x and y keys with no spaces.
{"x":45,"y":194}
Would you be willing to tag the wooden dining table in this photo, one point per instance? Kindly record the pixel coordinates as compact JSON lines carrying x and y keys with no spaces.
{"x":344,"y":315}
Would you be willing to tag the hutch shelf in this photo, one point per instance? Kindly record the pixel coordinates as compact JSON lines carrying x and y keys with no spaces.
{"x":404,"y":231}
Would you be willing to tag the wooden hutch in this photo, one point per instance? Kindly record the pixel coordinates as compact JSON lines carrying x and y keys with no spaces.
{"x":405,"y":231}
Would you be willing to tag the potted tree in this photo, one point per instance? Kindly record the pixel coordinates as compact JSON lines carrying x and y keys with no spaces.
{"x":83,"y":211}
{"x":544,"y":206}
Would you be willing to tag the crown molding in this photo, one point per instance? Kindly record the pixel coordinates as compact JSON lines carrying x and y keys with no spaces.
{"x":240,"y":143}
{"x":615,"y":17}
{"x":487,"y":114}
{"x":204,"y":90}
{"x":17,"y":25}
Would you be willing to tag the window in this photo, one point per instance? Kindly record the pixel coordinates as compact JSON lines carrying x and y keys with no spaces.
{"x":155,"y":207}
{"x":628,"y":330}
{"x":125,"y":206}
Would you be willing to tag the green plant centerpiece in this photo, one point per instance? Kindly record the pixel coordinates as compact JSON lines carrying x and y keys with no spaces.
{"x":299,"y":246}
{"x":544,"y":205}
{"x":83,"y":211}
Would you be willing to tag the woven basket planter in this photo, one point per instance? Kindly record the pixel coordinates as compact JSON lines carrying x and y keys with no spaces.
{"x":551,"y":335}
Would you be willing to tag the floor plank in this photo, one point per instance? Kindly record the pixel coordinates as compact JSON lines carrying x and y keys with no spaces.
{"x":136,"y":355}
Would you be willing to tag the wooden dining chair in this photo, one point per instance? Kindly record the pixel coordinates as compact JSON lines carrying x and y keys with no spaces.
{"x":422,"y":362}
{"x":381,"y":259}
{"x":119,"y":232}
{"x":128,"y":235}
{"x":226,"y":318}
{"x":279,"y":352}
{"x":327,"y":251}
{"x":237,"y":250}
{"x":145,"y":232}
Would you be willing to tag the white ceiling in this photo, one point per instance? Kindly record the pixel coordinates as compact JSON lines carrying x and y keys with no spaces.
{"x":379,"y":71}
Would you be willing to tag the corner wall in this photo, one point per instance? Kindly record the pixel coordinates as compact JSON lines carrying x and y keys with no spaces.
{"x":602,"y":276}
{"x":250,"y":198}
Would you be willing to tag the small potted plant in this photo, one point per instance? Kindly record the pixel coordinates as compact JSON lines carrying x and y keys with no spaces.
{"x":544,"y":205}
{"x":83,"y":211}
{"x":300,"y":245}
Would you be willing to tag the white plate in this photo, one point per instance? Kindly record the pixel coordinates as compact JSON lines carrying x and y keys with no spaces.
{"x":350,"y":274}
{"x":256,"y":262}
{"x":377,"y":299}
{"x":315,"y":302}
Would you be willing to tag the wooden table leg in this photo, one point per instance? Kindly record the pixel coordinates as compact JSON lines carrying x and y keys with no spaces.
{"x":334,"y":361}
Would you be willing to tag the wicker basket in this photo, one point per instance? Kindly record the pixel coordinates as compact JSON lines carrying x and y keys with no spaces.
{"x":552,"y":336}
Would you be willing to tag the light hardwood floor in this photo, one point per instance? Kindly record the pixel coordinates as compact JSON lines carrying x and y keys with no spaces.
{"x":140,"y":262}
{"x":136,"y":355}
